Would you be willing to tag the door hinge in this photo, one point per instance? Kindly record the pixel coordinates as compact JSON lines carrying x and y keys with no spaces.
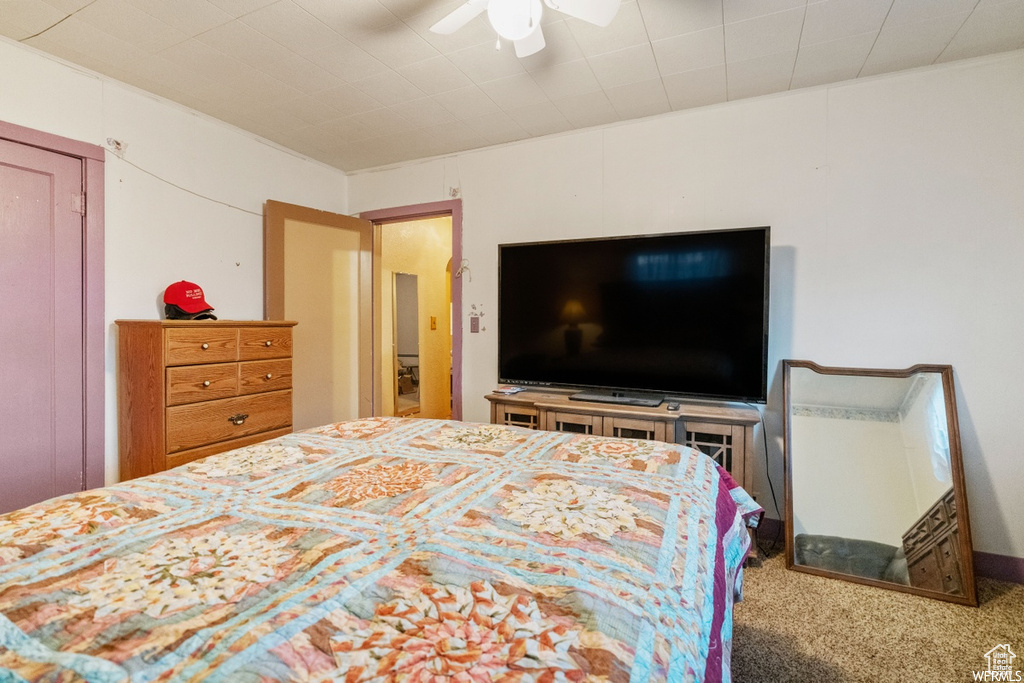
{"x":78,"y":203}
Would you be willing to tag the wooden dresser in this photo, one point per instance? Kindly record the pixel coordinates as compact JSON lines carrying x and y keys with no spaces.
{"x":188,"y":389}
{"x":932,"y":547}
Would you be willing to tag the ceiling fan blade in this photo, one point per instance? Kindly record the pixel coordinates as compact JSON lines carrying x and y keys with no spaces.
{"x":460,"y":17}
{"x":530,"y":44}
{"x":600,"y":12}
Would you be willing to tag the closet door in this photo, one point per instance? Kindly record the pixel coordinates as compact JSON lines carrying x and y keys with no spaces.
{"x":42,"y":419}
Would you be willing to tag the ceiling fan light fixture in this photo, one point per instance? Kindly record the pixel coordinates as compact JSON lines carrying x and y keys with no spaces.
{"x":514,"y":19}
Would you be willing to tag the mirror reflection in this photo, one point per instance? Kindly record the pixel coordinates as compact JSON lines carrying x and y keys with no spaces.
{"x":406,"y":361}
{"x":872,"y":473}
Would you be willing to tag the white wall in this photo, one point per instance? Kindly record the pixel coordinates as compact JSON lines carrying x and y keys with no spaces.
{"x":157,"y":233}
{"x":897,"y":221}
{"x":853,"y":479}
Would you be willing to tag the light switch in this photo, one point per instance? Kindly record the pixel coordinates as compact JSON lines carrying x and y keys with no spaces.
{"x":433,"y":322}
{"x":474,"y":323}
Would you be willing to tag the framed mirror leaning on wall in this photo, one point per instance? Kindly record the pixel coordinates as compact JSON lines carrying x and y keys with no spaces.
{"x":875,"y":480}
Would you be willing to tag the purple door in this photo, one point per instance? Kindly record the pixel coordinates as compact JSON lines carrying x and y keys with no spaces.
{"x":42,"y":429}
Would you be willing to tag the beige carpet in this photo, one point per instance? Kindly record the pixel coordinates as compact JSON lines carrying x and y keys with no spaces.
{"x":798,"y":627}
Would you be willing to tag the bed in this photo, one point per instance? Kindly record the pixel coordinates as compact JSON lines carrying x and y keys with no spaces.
{"x":385,"y":549}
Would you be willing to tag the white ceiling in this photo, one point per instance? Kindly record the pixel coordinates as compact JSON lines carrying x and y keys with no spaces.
{"x":363,"y":83}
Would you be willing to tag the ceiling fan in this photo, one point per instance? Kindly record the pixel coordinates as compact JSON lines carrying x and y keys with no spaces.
{"x":519,"y":20}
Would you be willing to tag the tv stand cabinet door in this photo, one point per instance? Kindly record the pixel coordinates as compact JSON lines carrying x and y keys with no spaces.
{"x":729,"y":445}
{"x":515,"y":414}
{"x":574,"y":423}
{"x":632,"y":428}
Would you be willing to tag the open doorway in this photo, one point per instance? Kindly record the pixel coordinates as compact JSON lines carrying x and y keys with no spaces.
{"x":360,"y":377}
{"x":415,"y":317}
{"x":402,"y":235}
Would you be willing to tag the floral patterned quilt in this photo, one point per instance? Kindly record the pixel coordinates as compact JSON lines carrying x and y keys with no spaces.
{"x":385,"y":549}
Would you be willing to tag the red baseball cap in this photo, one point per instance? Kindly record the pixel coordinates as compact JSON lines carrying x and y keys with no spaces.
{"x":188,"y":296}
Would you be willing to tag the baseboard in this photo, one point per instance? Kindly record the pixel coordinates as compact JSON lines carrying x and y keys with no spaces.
{"x":999,"y":567}
{"x":989,"y":565}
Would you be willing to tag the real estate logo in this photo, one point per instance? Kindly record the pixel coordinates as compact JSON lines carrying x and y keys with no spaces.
{"x":1000,"y":665}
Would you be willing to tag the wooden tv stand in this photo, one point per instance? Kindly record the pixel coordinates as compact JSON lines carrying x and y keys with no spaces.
{"x":725,"y":433}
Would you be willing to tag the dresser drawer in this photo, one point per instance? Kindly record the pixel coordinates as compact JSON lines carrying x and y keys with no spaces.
{"x":917,"y":538}
{"x":257,"y":376}
{"x":949,"y":503}
{"x":198,"y":424}
{"x":255,"y":343}
{"x":937,"y":519}
{"x":192,"y":383}
{"x":925,"y":572}
{"x":949,"y":565}
{"x":187,"y":346}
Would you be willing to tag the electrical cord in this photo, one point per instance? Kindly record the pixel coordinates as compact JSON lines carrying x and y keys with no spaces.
{"x":771,"y":486}
{"x":179,"y":187}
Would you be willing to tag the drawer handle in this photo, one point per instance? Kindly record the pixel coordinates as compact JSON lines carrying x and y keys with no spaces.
{"x":270,"y":376}
{"x":269,"y":342}
{"x":237,"y":419}
{"x":206,"y":383}
{"x":205,"y":346}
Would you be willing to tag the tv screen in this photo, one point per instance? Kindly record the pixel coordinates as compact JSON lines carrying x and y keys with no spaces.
{"x":683,"y":314}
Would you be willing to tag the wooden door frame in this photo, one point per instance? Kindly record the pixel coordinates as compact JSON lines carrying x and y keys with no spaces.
{"x":275,"y":214}
{"x":93,"y":321}
{"x":412,"y":212}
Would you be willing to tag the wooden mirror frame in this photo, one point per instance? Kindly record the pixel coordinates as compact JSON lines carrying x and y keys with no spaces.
{"x":969,"y":596}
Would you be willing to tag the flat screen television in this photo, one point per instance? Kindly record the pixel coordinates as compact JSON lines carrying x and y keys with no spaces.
{"x":678,"y":315}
